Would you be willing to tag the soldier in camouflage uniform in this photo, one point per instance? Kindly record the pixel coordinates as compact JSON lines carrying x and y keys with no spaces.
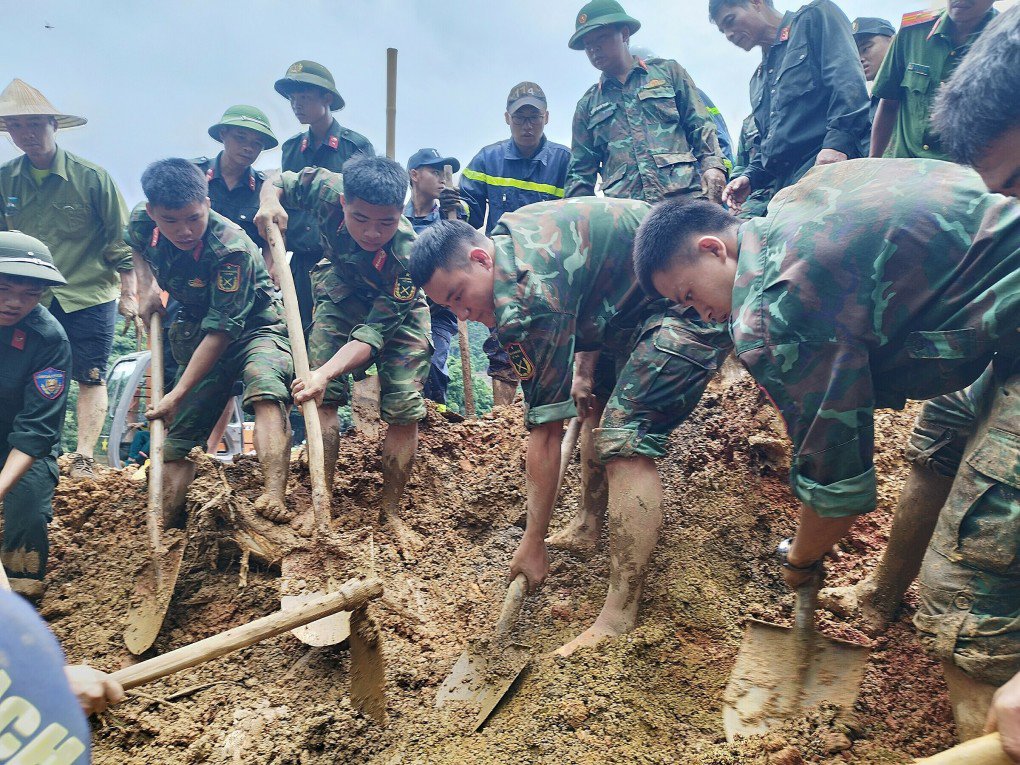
{"x":230,"y":327}
{"x":907,"y":286}
{"x":747,"y":148}
{"x":367,"y":309}
{"x":556,"y":280}
{"x":643,"y":126}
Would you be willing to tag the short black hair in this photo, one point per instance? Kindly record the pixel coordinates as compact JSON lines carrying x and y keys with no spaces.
{"x":714,"y":6}
{"x":174,"y":183}
{"x":663,"y":238}
{"x":979,"y":102}
{"x":376,"y":180}
{"x":442,"y":245}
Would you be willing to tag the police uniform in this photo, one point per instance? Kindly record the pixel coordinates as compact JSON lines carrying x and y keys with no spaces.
{"x":907,"y":277}
{"x":808,"y":94}
{"x":922,"y":57}
{"x":238,"y":204}
{"x":565,"y":283}
{"x":299,"y":152}
{"x":366,"y":296}
{"x":35,"y":357}
{"x":222,"y":286}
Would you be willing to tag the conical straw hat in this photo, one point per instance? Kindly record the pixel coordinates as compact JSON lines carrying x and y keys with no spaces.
{"x":20,"y":99}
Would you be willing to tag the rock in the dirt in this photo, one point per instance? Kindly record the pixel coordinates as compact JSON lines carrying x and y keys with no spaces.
{"x":573,"y":712}
{"x":834,"y":741}
{"x":789,"y":755}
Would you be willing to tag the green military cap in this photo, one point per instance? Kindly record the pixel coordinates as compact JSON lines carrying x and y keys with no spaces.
{"x":868,"y":26}
{"x":309,"y":73}
{"x":246,"y":117}
{"x":600,"y":13}
{"x":24,"y":255}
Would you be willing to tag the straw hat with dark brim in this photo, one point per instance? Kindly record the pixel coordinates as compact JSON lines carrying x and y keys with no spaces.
{"x":20,"y":99}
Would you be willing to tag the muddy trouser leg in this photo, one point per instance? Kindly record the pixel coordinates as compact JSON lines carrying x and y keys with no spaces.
{"x":28,"y":508}
{"x":444,"y":327}
{"x":969,"y":612}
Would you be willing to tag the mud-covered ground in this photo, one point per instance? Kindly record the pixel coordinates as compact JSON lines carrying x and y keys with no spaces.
{"x":653,"y":696}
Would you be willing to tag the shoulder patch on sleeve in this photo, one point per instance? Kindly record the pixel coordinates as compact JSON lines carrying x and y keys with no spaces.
{"x":917,"y":17}
{"x":523,"y":365}
{"x":50,"y":382}
{"x":228,"y":278}
{"x":403,"y":288}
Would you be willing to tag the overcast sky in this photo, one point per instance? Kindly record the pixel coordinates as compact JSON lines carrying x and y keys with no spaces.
{"x":152,"y":76}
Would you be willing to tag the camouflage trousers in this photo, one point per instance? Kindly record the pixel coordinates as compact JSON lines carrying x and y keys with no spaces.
{"x":403,"y":363}
{"x":969,"y":610}
{"x":654,"y":387}
{"x":28,"y":508}
{"x":260,"y":359}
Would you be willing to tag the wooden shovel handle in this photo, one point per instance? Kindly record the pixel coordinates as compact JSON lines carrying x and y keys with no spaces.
{"x":157,"y":437}
{"x":511,"y":607}
{"x":351,"y":595}
{"x":462,"y":327}
{"x":986,"y":750}
{"x":296,"y":333}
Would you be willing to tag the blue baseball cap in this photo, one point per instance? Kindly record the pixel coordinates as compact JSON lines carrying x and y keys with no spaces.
{"x":431,"y":157}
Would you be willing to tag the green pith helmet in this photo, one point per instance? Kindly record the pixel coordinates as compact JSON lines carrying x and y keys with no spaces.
{"x":600,"y":13}
{"x":24,"y":255}
{"x":309,"y":73}
{"x":246,"y":117}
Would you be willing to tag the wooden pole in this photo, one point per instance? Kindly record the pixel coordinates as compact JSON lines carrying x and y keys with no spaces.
{"x":157,"y":435}
{"x":313,"y":428}
{"x":462,"y":329}
{"x":391,"y":103}
{"x":351,"y":595}
{"x":986,"y":750}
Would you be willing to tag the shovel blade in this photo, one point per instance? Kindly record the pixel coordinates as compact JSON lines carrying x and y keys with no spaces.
{"x":306,"y":575}
{"x":483,"y":680}
{"x":765,"y":687}
{"x":152,"y":594}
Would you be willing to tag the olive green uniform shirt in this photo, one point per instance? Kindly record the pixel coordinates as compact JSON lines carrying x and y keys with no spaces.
{"x":921,"y":58}
{"x":79,"y":214}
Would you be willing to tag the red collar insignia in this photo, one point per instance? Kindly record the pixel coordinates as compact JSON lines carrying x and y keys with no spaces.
{"x":304,"y":143}
{"x":784,"y":35}
{"x":379,"y":260}
{"x":334,"y":142}
{"x":18,"y":339}
{"x":209,"y":174}
{"x":251,"y":181}
{"x":155,"y":237}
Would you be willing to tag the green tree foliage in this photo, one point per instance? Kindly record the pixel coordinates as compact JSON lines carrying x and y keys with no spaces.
{"x":477,"y":333}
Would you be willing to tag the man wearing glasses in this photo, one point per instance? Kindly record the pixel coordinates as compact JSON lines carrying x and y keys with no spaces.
{"x":523,"y":169}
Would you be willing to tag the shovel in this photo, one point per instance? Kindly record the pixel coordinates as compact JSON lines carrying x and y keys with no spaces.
{"x":306,"y":574}
{"x":488,"y":668}
{"x":986,"y":750}
{"x":351,"y":596}
{"x":781,"y":672}
{"x":155,"y":583}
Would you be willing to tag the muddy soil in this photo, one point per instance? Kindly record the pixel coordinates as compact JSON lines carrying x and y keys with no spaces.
{"x":653,"y":696}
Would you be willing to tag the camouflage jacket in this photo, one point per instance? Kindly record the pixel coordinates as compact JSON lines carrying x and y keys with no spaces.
{"x":380,"y":279}
{"x":564,"y":283}
{"x":222,"y":283}
{"x":867,"y":283}
{"x":648,"y":137}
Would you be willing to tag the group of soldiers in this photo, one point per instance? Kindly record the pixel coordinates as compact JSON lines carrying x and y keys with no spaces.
{"x":845,"y":255}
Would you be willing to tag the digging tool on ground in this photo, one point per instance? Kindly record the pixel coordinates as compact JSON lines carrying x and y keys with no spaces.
{"x":351,"y":596}
{"x":307,"y":574}
{"x":155,"y":583}
{"x":986,"y":750}
{"x":486,"y":670}
{"x":462,"y":327}
{"x":782,"y":672}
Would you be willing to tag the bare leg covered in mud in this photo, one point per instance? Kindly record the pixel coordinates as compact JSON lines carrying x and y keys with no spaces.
{"x":581,"y":534}
{"x":397,"y":455}
{"x":177,"y":477}
{"x":272,"y":445}
{"x":635,"y":517}
{"x":875,"y":599}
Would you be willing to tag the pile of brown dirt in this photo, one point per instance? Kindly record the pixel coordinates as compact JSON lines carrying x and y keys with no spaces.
{"x":653,"y":696}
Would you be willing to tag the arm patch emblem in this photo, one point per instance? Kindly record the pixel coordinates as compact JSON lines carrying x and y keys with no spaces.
{"x":523,"y":366}
{"x":50,"y":382}
{"x":404,"y":289}
{"x":228,"y":279}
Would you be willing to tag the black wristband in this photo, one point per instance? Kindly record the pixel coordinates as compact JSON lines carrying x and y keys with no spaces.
{"x":783,"y":553}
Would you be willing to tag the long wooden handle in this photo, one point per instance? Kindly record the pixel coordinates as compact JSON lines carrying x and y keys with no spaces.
{"x":391,"y":103}
{"x":351,"y":595}
{"x":567,"y":449}
{"x":986,"y":750}
{"x":157,"y":436}
{"x":511,"y":607}
{"x":296,"y":333}
{"x":462,"y":327}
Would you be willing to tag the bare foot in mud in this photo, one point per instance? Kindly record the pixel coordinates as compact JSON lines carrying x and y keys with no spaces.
{"x":580,"y":536}
{"x":408,"y":543}
{"x":273,"y":509}
{"x":594,"y":635}
{"x":855,"y":603}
